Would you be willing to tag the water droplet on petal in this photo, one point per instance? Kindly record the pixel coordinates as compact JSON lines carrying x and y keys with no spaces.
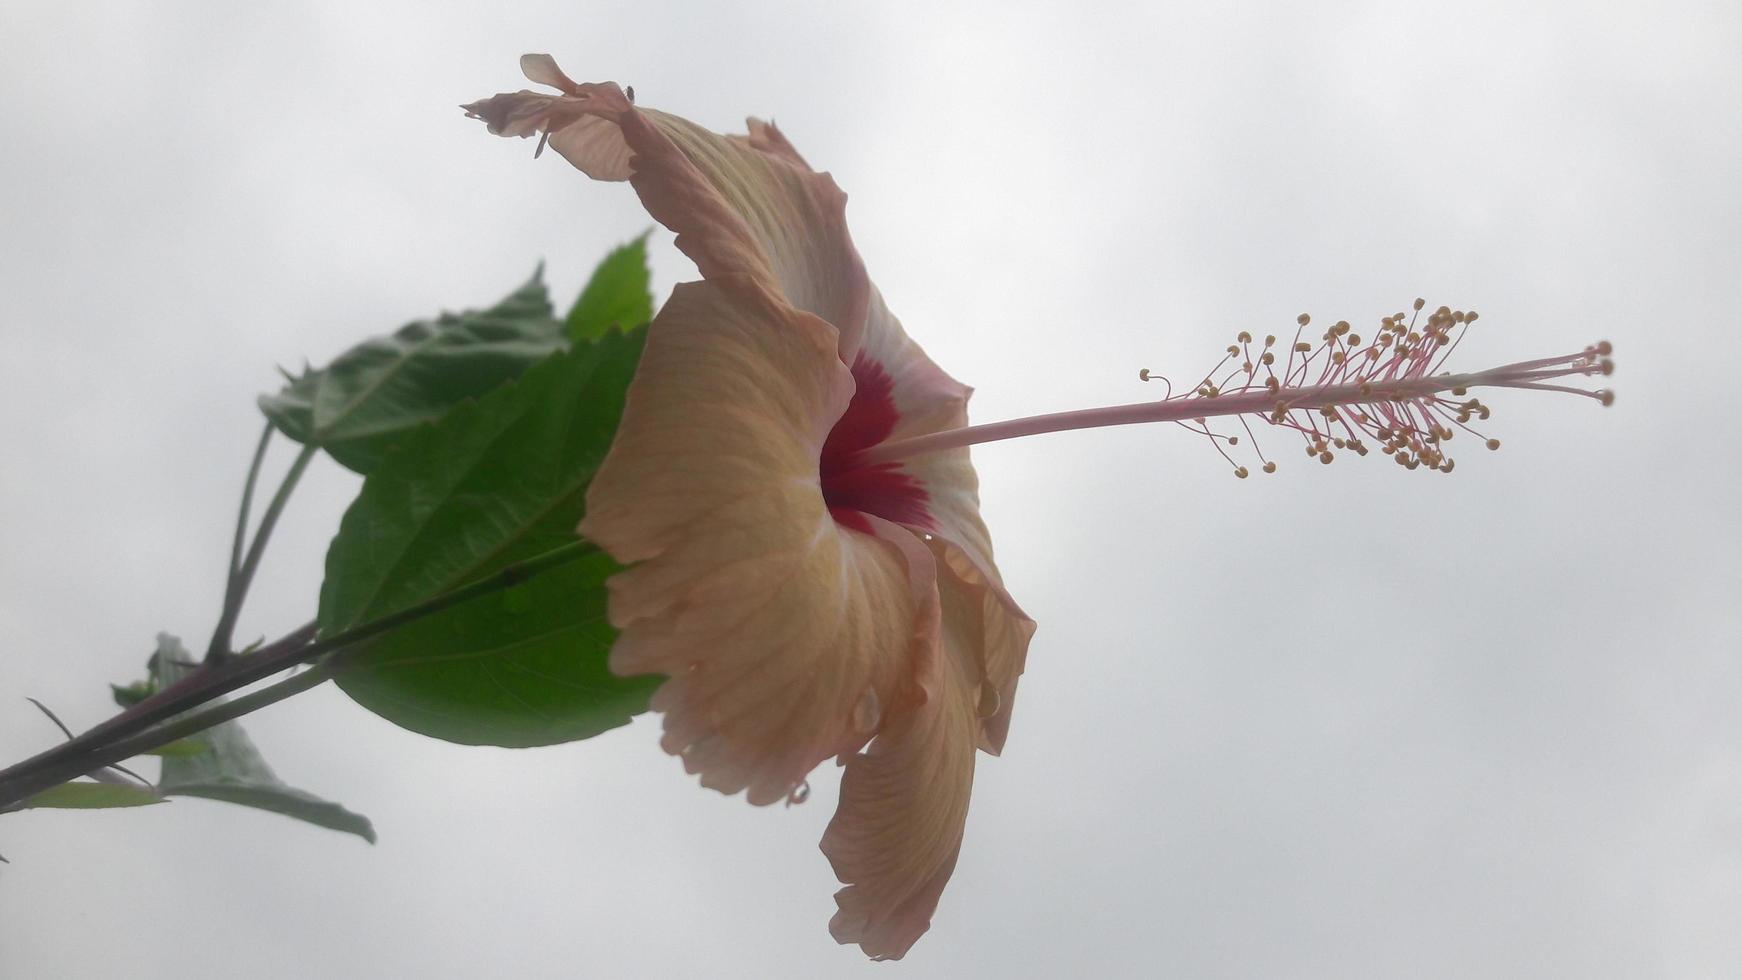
{"x":867,"y":713}
{"x":799,"y":793}
{"x":990,"y":700}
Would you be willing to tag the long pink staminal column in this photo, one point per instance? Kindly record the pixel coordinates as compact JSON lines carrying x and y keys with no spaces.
{"x":1388,"y":390}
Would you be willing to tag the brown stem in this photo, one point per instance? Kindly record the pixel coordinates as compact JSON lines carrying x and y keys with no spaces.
{"x":141,"y":727}
{"x":212,"y":679}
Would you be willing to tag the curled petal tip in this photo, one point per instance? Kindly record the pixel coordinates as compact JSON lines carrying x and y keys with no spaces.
{"x":542,"y":68}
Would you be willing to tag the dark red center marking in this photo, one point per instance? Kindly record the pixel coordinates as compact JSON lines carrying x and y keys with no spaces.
{"x":881,"y":489}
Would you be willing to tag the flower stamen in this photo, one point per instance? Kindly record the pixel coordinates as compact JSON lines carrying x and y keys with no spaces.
{"x":1391,"y":389}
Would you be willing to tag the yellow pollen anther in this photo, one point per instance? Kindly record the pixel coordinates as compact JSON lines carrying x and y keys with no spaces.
{"x":1394,"y":390}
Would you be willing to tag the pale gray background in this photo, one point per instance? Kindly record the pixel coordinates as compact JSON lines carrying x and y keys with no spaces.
{"x":1340,"y":722}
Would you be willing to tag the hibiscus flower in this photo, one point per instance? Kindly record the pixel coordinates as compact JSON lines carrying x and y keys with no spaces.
{"x":803,"y":605}
{"x":791,"y":489}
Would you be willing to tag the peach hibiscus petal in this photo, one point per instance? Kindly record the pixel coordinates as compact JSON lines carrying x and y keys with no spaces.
{"x":796,"y":218}
{"x":785,"y":220}
{"x":579,"y":123}
{"x":924,"y":399}
{"x":781,"y":634}
{"x":998,"y":633}
{"x":904,"y":801}
{"x":542,"y":69}
{"x":766,"y":137}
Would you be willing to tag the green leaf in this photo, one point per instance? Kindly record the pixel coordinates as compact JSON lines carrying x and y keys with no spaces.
{"x":228,"y":767}
{"x":91,"y":796}
{"x":617,"y":294}
{"x":491,"y":484}
{"x":374,"y":394}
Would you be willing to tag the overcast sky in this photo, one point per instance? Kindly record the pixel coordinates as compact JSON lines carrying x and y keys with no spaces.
{"x":1343,"y":721}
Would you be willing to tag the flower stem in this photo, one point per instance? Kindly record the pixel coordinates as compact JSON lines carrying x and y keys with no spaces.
{"x":241,"y":537}
{"x":149,"y":723}
{"x":242,"y":576}
{"x":198,"y":721}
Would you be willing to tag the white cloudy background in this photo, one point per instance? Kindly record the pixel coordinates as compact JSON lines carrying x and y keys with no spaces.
{"x":1338,"y":722}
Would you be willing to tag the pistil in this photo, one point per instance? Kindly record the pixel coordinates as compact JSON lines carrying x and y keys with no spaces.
{"x":1333,"y":395}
